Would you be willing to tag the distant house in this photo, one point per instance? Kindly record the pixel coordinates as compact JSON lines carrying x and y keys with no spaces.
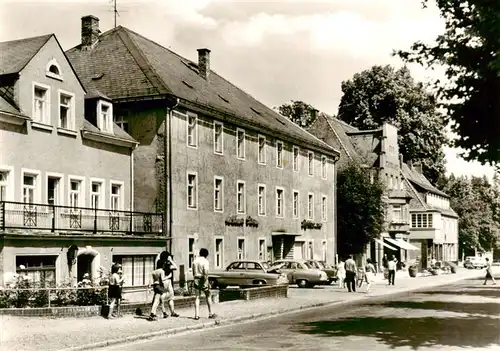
{"x":65,"y":173}
{"x":229,"y":173}
{"x":408,"y":197}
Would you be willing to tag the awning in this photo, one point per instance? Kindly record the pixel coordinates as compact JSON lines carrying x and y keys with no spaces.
{"x":407,"y":245}
{"x":284,"y":234}
{"x":386,"y":245}
{"x":394,"y":242}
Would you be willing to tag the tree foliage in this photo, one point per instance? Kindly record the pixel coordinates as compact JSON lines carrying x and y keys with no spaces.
{"x":469,"y":50}
{"x":384,"y":94}
{"x":360,"y":209}
{"x":298,"y":112}
{"x":476,"y":202}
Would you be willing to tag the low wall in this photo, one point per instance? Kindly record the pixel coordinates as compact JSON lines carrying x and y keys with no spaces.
{"x":181,"y":302}
{"x":260,"y":292}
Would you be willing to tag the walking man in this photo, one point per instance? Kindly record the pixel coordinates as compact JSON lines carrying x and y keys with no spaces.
{"x":489,"y":273}
{"x":391,"y":265}
{"x":201,"y":285}
{"x":350,"y":274}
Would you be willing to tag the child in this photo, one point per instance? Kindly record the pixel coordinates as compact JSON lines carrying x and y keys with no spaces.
{"x":115,"y":289}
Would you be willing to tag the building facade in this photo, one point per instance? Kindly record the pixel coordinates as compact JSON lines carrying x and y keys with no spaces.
{"x":66,"y":173}
{"x":408,"y":194}
{"x":229,"y":173}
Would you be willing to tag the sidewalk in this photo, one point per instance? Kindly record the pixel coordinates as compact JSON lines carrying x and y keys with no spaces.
{"x":42,"y":333}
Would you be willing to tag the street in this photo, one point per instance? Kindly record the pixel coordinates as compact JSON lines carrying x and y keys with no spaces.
{"x":462,"y":315}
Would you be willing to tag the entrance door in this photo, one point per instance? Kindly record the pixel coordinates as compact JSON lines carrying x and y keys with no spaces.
{"x":84,"y":265}
{"x":298,"y":248}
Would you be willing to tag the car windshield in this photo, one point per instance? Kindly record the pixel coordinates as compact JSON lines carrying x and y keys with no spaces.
{"x":308,"y":265}
{"x":321,"y":265}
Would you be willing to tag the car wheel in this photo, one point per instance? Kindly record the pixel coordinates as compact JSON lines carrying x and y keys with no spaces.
{"x":259,"y":282}
{"x":302,"y":283}
{"x":213,"y":283}
{"x":221,"y":286}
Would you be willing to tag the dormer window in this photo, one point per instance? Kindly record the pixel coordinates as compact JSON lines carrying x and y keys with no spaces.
{"x":105,"y":116}
{"x":53,"y":70}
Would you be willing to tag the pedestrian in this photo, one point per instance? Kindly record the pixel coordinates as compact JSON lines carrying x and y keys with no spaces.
{"x":341,"y":274}
{"x":115,"y":289}
{"x":201,"y":284}
{"x":489,"y":273}
{"x":350,"y":274}
{"x":162,"y":286}
{"x":385,"y":263}
{"x":369,"y":274}
{"x":391,"y":265}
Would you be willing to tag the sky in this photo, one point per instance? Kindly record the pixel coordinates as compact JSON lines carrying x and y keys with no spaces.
{"x":276,"y":50}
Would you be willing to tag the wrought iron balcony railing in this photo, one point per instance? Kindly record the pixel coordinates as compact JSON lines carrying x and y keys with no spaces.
{"x":18,"y":215}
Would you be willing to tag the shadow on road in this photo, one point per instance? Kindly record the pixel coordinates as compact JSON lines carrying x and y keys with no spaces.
{"x":413,"y":332}
{"x":484,"y":292}
{"x":485,"y":308}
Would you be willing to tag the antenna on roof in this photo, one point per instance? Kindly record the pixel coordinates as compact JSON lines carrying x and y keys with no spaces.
{"x":115,"y":11}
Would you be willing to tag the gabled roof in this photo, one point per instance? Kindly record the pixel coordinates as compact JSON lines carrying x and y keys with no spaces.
{"x":16,"y":54}
{"x":124,"y":64}
{"x":420,"y":180}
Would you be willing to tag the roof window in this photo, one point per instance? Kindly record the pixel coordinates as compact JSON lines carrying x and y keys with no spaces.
{"x":53,"y":70}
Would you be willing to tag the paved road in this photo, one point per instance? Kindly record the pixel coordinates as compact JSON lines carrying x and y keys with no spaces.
{"x":463,"y":315}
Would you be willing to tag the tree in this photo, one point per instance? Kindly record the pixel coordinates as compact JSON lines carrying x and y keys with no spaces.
{"x":298,"y":112}
{"x":469,"y":50}
{"x":360,"y":209}
{"x":384,"y":94}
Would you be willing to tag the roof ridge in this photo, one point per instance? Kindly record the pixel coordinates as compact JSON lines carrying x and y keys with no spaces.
{"x":26,"y":39}
{"x":47,"y":38}
{"x":142,"y":61}
{"x":337,"y":136}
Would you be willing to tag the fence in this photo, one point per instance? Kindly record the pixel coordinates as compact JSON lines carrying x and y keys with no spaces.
{"x":18,"y":215}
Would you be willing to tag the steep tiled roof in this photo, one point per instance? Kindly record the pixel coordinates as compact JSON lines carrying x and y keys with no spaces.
{"x":125,"y":64}
{"x":15,"y":54}
{"x":419,"y":179}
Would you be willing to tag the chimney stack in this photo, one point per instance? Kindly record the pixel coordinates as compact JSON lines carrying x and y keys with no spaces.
{"x":401,"y":161}
{"x":90,"y":31}
{"x":204,"y":63}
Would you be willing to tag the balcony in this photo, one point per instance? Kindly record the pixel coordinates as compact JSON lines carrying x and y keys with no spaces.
{"x":398,"y":225}
{"x":53,"y":218}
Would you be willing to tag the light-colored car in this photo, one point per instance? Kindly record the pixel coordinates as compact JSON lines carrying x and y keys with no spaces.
{"x":330,"y":271}
{"x":301,"y":273}
{"x":474,"y":262}
{"x":247,"y":273}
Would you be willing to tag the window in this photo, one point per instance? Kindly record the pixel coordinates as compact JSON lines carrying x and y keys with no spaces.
{"x":41,"y":104}
{"x":66,"y":111}
{"x":262,"y":200}
{"x":3,"y":185}
{"x":191,"y":249}
{"x":218,"y":194}
{"x":310,"y":206}
{"x":324,"y":250}
{"x":136,"y":268}
{"x":421,"y":220}
{"x":29,"y":188}
{"x":192,"y":191}
{"x":121,"y":122}
{"x":105,"y":116}
{"x":324,"y":207}
{"x":74,"y":193}
{"x":262,"y":149}
{"x":295,"y":204}
{"x":295,"y":158}
{"x":323,"y":167}
{"x":192,"y":130}
{"x":219,"y":252}
{"x":310,"y":163}
{"x":279,"y":154}
{"x":280,"y":204}
{"x":53,"y":70}
{"x":218,"y":137}
{"x":262,"y":250}
{"x":115,"y":199}
{"x":241,"y":249}
{"x":397,"y":214}
{"x":95,"y":195}
{"x":241,"y":205}
{"x":38,"y":268}
{"x":240,"y":141}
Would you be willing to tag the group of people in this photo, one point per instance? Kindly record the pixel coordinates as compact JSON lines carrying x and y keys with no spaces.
{"x":161,"y":283}
{"x":347,"y":272}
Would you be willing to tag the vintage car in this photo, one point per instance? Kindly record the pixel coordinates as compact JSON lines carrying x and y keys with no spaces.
{"x":301,"y":273}
{"x":473,"y":262}
{"x":330,"y":271}
{"x":247,"y":273}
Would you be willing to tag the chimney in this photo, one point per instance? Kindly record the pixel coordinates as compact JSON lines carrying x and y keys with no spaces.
{"x":401,"y":161}
{"x":204,"y":63}
{"x":90,"y":31}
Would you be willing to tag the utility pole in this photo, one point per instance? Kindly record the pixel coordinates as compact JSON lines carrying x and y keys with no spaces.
{"x":115,"y":11}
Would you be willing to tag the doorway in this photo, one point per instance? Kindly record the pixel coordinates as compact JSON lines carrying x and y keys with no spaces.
{"x":84,"y":265}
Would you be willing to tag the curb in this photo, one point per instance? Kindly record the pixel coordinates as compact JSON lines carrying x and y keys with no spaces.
{"x":249,"y":317}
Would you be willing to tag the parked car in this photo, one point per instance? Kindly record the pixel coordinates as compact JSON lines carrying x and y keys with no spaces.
{"x":473,"y":262}
{"x":247,"y":273}
{"x":301,"y":273}
{"x":330,"y":271}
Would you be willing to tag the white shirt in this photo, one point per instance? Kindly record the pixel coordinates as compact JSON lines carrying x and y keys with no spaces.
{"x":200,"y":267}
{"x":391,"y":265}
